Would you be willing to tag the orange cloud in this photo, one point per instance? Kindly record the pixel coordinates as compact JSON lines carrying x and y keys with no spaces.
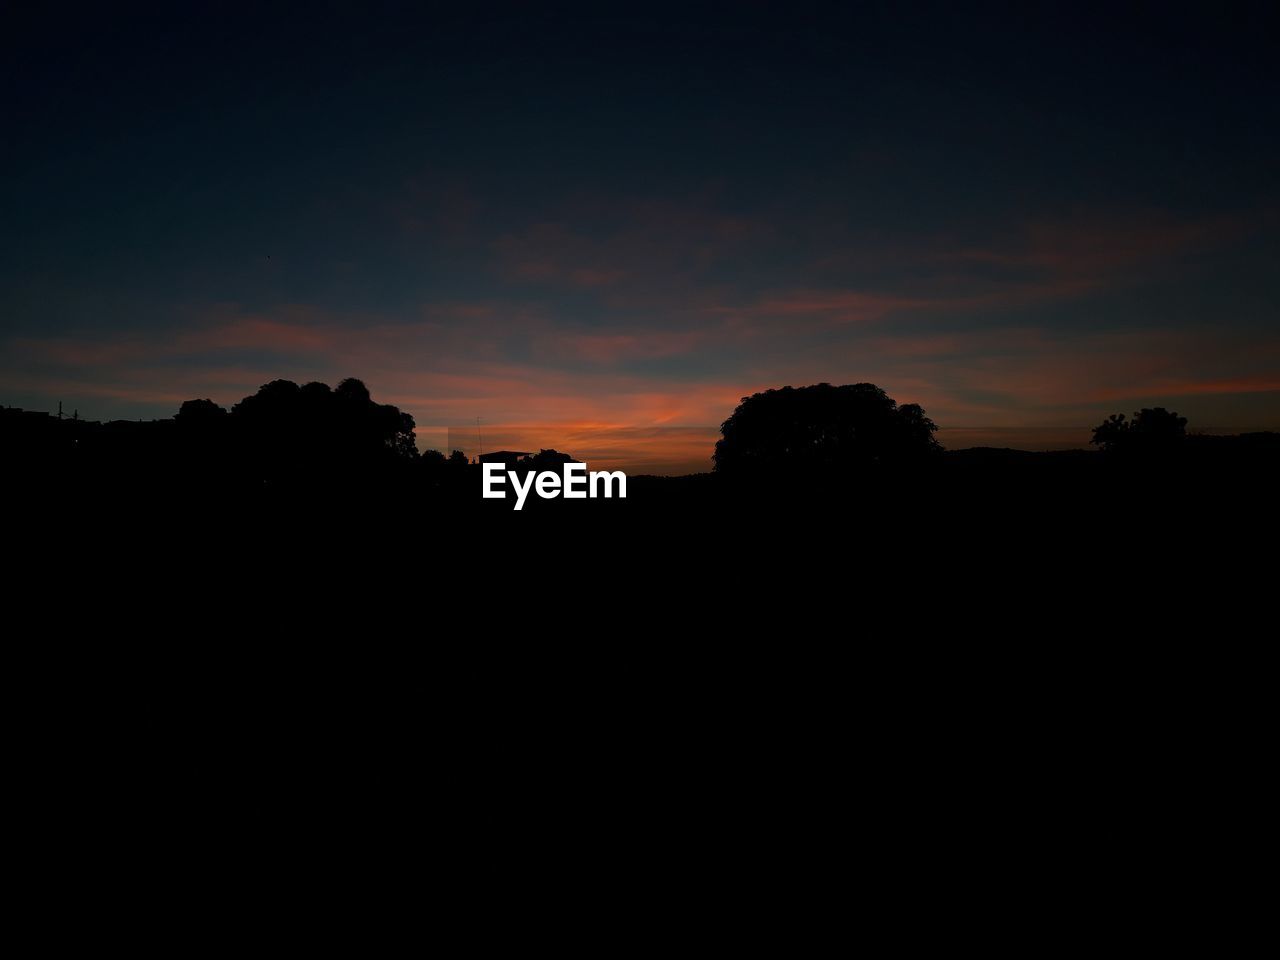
{"x":1190,"y":388}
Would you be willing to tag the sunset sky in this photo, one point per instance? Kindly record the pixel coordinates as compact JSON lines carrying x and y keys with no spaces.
{"x":598,"y":227}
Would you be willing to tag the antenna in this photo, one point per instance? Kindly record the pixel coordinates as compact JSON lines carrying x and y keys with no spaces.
{"x":479,"y":442}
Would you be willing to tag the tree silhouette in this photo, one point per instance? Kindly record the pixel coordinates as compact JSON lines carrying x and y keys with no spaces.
{"x":199,"y":413}
{"x":1110,"y":434}
{"x":353,"y":391}
{"x":1151,"y":429}
{"x":312,"y":435}
{"x":822,"y":427}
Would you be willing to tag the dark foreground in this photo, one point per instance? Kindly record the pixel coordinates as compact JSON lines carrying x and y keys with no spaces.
{"x":1040,"y":645}
{"x":1204,"y":507}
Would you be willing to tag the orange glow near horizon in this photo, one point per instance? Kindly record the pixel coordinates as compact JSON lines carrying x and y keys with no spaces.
{"x":656,"y":450}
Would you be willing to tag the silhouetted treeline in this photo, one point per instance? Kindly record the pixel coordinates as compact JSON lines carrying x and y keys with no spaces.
{"x":822,"y":428}
{"x":283,"y":440}
{"x":810,"y":452}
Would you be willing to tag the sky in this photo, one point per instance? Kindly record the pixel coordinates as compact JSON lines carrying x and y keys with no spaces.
{"x":598,"y":227}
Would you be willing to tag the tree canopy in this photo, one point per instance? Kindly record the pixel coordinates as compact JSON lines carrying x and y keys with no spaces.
{"x":1150,"y":429}
{"x":306,"y":420}
{"x":822,"y":427}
